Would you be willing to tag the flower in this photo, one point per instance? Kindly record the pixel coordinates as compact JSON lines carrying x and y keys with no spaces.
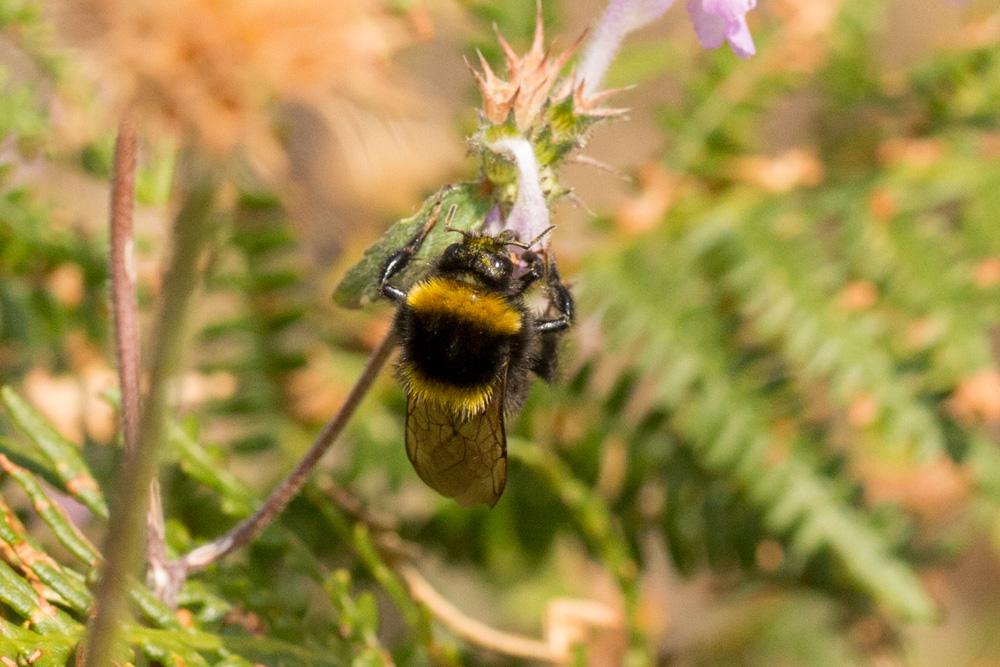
{"x":619,"y":19}
{"x":715,"y":21}
{"x":530,"y":81}
{"x":718,"y":21}
{"x":529,"y":217}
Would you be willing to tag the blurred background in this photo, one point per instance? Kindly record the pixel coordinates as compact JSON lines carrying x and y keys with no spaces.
{"x":775,"y":437}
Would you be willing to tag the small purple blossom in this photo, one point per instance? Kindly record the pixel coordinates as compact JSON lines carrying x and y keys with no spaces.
{"x":619,"y":19}
{"x":529,"y":216}
{"x":718,"y":21}
{"x":715,"y":22}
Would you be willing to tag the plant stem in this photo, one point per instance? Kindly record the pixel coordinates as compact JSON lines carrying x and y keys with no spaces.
{"x":123,"y":299}
{"x":471,"y":630}
{"x":205,"y":555}
{"x":126,"y":326}
{"x":390,"y":560}
{"x":121,"y":546}
{"x":597,"y":522}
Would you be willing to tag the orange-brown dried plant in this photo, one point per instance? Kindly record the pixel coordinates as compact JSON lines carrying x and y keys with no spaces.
{"x":212,"y":71}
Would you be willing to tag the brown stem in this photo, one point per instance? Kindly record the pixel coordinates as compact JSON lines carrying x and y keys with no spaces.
{"x":125,"y":533}
{"x":400,"y":555}
{"x":473,"y":631}
{"x":246,"y":531}
{"x":126,"y":326}
{"x":123,"y":298}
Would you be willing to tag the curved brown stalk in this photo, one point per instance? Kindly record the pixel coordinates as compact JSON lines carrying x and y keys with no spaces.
{"x":203,"y":556}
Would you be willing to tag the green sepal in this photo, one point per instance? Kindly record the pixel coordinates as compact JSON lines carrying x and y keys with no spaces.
{"x":359,"y":286}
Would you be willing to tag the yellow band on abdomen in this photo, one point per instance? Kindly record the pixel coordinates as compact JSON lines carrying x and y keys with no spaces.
{"x":467,"y":401}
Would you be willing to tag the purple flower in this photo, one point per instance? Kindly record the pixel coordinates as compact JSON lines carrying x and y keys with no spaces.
{"x":718,"y":21}
{"x":619,"y":19}
{"x":529,"y":216}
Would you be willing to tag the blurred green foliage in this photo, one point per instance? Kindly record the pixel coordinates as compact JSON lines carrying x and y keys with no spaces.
{"x":748,"y":377}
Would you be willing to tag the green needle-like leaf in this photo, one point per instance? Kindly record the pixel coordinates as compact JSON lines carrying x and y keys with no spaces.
{"x":52,"y":514}
{"x":70,"y":467}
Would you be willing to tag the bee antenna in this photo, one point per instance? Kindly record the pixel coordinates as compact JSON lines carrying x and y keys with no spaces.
{"x":527,"y":246}
{"x":449,"y":218}
{"x":541,"y":236}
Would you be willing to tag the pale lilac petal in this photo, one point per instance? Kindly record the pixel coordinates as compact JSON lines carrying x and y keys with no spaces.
{"x":529,"y":216}
{"x":645,"y":12}
{"x":716,"y":21}
{"x":710,"y":28}
{"x":730,"y":10}
{"x":740,"y":39}
{"x":619,"y":19}
{"x":493,"y":224}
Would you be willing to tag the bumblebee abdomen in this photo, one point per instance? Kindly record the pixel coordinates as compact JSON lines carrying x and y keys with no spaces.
{"x":451,"y":351}
{"x":456,"y":339}
{"x":456,"y":334}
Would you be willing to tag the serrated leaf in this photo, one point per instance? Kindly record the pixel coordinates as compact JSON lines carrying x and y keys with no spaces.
{"x":358,"y":287}
{"x":723,"y":422}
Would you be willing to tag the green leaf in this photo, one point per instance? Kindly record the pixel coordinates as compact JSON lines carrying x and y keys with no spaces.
{"x":52,"y":514}
{"x":724,"y":420}
{"x":196,"y":461}
{"x":359,"y":287}
{"x":17,"y":594}
{"x":29,"y":457}
{"x":49,"y":650}
{"x":33,"y":559}
{"x":69,"y":465}
{"x":278,"y":653}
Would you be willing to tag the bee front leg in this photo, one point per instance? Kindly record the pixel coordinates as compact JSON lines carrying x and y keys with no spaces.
{"x":534,"y":271}
{"x":397,"y":262}
{"x":401,"y":258}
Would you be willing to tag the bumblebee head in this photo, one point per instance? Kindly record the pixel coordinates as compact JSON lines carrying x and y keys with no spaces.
{"x":484,"y":256}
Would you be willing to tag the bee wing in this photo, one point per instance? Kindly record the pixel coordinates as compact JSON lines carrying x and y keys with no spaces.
{"x":460,"y":457}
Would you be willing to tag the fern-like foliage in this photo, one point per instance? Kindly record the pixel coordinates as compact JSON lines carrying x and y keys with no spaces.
{"x":47,"y":598}
{"x":257,"y":339}
{"x":757,"y":351}
{"x":729,"y":424}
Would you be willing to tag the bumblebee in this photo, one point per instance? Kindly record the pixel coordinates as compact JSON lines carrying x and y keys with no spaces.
{"x":469,"y":345}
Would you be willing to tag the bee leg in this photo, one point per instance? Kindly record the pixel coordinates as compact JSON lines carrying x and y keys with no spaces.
{"x":398,"y":260}
{"x":562,"y":300}
{"x":532,"y":275}
{"x":546,"y":361}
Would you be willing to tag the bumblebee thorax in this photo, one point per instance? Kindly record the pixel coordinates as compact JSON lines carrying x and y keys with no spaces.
{"x":447,"y":297}
{"x":482,"y":257}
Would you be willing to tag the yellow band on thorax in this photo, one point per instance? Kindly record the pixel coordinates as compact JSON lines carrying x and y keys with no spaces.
{"x":446,"y":296}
